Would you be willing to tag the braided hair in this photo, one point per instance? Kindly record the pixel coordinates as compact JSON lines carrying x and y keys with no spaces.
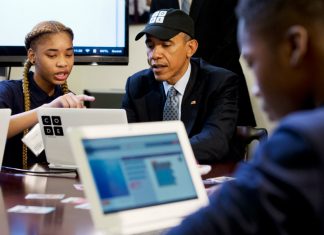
{"x":43,"y":28}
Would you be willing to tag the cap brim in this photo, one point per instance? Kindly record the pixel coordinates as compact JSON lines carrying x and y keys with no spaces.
{"x":159,"y":32}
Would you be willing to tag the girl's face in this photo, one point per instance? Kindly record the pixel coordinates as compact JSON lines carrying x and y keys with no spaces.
{"x":53,"y":58}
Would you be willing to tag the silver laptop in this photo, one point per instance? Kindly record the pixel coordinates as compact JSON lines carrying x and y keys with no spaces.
{"x":139,"y":177}
{"x":55,"y":121}
{"x":4,"y":124}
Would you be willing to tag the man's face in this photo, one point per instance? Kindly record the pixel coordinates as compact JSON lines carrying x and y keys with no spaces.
{"x":169,"y":59}
{"x":280,"y":85}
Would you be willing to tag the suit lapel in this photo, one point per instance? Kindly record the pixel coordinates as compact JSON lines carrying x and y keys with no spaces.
{"x":189,"y":106}
{"x":195,"y":8}
{"x":154,"y":101}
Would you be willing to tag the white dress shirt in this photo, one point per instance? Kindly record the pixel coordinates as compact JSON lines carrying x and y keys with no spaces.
{"x":180,"y":86}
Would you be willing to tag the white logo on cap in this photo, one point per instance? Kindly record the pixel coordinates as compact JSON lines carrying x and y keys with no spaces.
{"x":158,"y":17}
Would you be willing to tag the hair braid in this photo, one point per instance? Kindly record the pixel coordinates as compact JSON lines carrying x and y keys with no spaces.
{"x":65,"y":88}
{"x":25,"y":87}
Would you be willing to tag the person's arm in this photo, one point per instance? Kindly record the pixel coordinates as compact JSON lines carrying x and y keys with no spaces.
{"x":22,"y":121}
{"x":277,"y":193}
{"x":127,"y":103}
{"x":212,"y":143}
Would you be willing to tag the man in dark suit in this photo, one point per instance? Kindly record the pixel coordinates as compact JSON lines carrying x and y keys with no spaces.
{"x":208,"y":95}
{"x":281,"y":190}
{"x":215,"y":30}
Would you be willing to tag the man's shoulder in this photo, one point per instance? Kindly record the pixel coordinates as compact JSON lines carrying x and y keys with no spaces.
{"x":143,"y":74}
{"x":212,"y":76}
{"x":205,"y":68}
{"x":305,"y":119}
{"x":308,"y":124}
{"x":142,"y":81}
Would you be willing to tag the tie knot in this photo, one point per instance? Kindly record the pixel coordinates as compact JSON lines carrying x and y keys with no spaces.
{"x":172,"y":92}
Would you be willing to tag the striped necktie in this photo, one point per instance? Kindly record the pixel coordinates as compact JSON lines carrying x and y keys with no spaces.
{"x":171,"y":106}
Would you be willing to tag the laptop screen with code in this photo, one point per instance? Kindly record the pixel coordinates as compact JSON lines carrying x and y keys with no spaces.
{"x":138,"y":171}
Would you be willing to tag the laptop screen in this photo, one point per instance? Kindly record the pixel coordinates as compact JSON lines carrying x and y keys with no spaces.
{"x":139,"y":171}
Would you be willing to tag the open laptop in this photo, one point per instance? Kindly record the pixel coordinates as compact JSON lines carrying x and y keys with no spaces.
{"x":139,"y":177}
{"x":55,"y":121}
{"x":4,"y":124}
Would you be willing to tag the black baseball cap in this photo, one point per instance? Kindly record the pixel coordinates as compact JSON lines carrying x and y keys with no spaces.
{"x":167,"y":23}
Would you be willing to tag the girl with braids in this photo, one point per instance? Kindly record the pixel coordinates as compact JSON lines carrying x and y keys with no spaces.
{"x":50,"y":49}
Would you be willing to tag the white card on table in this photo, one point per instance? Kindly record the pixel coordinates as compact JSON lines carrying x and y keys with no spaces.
{"x":31,"y":209}
{"x":85,"y":206}
{"x":44,"y":196}
{"x":74,"y":200}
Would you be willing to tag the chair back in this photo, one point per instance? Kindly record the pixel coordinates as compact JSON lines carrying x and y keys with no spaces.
{"x":246,"y":134}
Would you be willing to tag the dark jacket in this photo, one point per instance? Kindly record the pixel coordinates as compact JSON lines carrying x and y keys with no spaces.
{"x":209,"y":108}
{"x":279,"y":192}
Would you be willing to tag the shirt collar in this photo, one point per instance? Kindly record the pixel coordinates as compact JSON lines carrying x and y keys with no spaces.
{"x":181,"y":84}
{"x":41,"y":95}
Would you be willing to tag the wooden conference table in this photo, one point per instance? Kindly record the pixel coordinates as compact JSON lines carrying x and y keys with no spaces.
{"x":65,"y":219}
